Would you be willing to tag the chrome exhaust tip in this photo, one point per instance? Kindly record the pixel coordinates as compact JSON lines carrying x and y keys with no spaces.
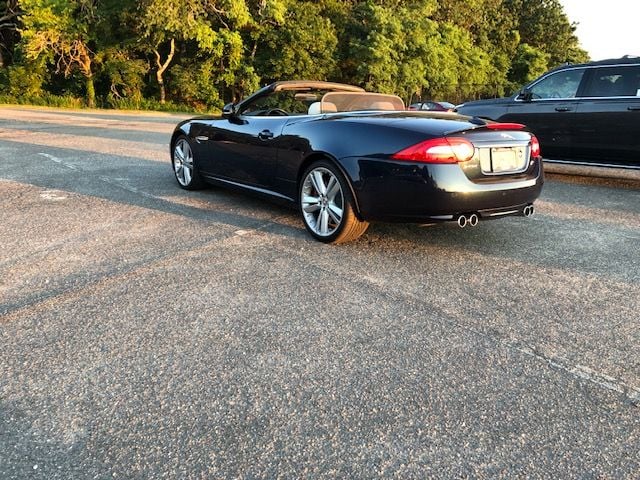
{"x":462,"y":221}
{"x":528,"y":211}
{"x":473,"y":220}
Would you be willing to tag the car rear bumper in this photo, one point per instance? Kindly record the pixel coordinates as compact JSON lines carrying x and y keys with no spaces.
{"x":393,"y":191}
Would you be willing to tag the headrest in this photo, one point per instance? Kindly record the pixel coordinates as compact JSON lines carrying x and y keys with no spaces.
{"x":322,"y":107}
{"x":382,"y":106}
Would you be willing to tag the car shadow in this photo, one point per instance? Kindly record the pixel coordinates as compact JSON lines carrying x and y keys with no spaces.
{"x":546,"y":240}
{"x":150,"y":184}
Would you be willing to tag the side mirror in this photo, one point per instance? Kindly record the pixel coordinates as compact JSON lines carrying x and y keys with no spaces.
{"x":525,"y":95}
{"x":229,"y":110}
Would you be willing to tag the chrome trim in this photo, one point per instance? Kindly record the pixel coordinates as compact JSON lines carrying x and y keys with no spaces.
{"x":536,"y":100}
{"x":583,"y":67}
{"x":500,"y":214}
{"x":249,"y":187}
{"x":637,"y":97}
{"x":591,"y":164}
{"x":527,"y":156}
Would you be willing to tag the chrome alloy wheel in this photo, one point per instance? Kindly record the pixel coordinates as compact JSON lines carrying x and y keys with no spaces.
{"x":183,"y":162}
{"x":322,"y":202}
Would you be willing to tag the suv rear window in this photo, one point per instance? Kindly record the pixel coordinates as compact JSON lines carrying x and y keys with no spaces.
{"x":619,"y":81}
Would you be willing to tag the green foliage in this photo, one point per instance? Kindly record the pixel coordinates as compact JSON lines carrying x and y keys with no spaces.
{"x":528,"y":64}
{"x":193,"y":84}
{"x":59,"y":31}
{"x":125,"y":77}
{"x":43,"y":100}
{"x":199,"y":54}
{"x":544,"y":25}
{"x":25,"y":80}
{"x":299,"y":43}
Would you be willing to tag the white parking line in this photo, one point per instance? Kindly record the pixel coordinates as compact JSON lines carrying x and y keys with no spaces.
{"x":102,"y":178}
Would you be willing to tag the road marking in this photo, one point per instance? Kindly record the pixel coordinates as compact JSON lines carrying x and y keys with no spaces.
{"x":156,"y":152}
{"x":602,"y":380}
{"x":102,"y":178}
{"x":599,"y":379}
{"x":53,"y":195}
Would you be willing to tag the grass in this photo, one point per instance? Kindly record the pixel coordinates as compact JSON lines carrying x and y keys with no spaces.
{"x":71,"y":102}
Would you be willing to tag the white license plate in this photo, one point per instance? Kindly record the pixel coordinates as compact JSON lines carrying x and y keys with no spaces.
{"x":506,"y":159}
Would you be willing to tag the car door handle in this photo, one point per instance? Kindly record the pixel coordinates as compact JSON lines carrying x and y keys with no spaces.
{"x":265,"y":135}
{"x":563,"y":109}
{"x":633,"y":109}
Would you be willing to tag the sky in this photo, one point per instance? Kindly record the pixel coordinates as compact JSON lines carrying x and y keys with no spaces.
{"x":606,"y":29}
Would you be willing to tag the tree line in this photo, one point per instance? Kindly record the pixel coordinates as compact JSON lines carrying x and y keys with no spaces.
{"x":200,"y":54}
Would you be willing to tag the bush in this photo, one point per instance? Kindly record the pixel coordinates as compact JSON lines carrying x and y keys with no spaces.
{"x":123,"y":77}
{"x":193,"y":85}
{"x":43,"y":100}
{"x":25,"y":81}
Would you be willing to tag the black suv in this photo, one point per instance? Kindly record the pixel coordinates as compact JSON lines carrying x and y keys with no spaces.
{"x":580,"y":113}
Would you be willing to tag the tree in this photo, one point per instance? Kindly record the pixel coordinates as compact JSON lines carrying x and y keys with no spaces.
{"x":528,"y":64}
{"x":9,"y":22}
{"x":210,"y":24}
{"x":544,"y":26}
{"x":297,"y":43}
{"x":60,"y":31}
{"x":493,"y":29}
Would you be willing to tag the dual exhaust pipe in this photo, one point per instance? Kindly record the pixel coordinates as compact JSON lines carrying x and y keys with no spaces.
{"x":472,"y":219}
{"x":528,"y":211}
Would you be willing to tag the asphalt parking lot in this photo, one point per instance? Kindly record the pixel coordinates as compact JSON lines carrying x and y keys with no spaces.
{"x":149,"y":332}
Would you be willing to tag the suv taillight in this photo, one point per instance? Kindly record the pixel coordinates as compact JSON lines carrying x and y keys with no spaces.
{"x":535,"y":146}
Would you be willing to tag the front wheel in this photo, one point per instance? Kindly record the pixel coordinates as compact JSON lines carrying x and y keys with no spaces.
{"x":326,"y":205}
{"x":184,"y":165}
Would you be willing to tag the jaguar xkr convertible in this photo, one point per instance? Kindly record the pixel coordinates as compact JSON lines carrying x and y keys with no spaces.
{"x":346,"y":157}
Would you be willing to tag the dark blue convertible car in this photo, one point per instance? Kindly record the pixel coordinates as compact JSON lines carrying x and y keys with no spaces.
{"x":346,"y":157}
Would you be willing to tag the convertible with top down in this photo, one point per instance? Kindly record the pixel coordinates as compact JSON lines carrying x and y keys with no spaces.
{"x":346,"y":157}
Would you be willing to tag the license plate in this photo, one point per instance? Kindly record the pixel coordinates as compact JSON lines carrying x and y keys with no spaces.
{"x":506,"y":159}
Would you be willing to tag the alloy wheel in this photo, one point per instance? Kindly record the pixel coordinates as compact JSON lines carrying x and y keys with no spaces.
{"x":183,"y":162}
{"x":322,"y":202}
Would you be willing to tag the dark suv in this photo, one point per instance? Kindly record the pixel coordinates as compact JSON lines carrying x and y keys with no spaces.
{"x":580,"y":113}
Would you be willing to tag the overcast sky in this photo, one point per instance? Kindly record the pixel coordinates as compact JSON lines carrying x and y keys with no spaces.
{"x":606,"y":29}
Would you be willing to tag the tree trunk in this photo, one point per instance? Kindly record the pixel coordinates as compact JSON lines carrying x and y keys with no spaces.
{"x":163,"y":93}
{"x":161,"y":69}
{"x":91,"y":92}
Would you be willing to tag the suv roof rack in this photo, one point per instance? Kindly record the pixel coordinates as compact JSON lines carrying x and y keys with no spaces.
{"x":626,"y":59}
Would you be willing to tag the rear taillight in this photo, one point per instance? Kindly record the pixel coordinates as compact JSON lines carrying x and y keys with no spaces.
{"x":438,"y":150}
{"x":535,"y":146}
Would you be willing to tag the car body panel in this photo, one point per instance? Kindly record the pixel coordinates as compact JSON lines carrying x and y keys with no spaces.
{"x":600,"y":124}
{"x":550,"y":120}
{"x":361,"y":144}
{"x":613,"y":118}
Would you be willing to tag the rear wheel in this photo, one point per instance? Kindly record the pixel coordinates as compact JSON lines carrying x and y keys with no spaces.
{"x":327,"y":205}
{"x":184,"y":165}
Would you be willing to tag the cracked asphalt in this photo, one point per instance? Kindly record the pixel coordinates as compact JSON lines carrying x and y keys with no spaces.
{"x":150,"y":332}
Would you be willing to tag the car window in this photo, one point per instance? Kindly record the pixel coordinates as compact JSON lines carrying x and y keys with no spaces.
{"x":621,"y":81}
{"x":563,"y":84}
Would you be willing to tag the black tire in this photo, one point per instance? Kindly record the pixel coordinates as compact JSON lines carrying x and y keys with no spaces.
{"x":329,"y":215}
{"x":185,"y":167}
